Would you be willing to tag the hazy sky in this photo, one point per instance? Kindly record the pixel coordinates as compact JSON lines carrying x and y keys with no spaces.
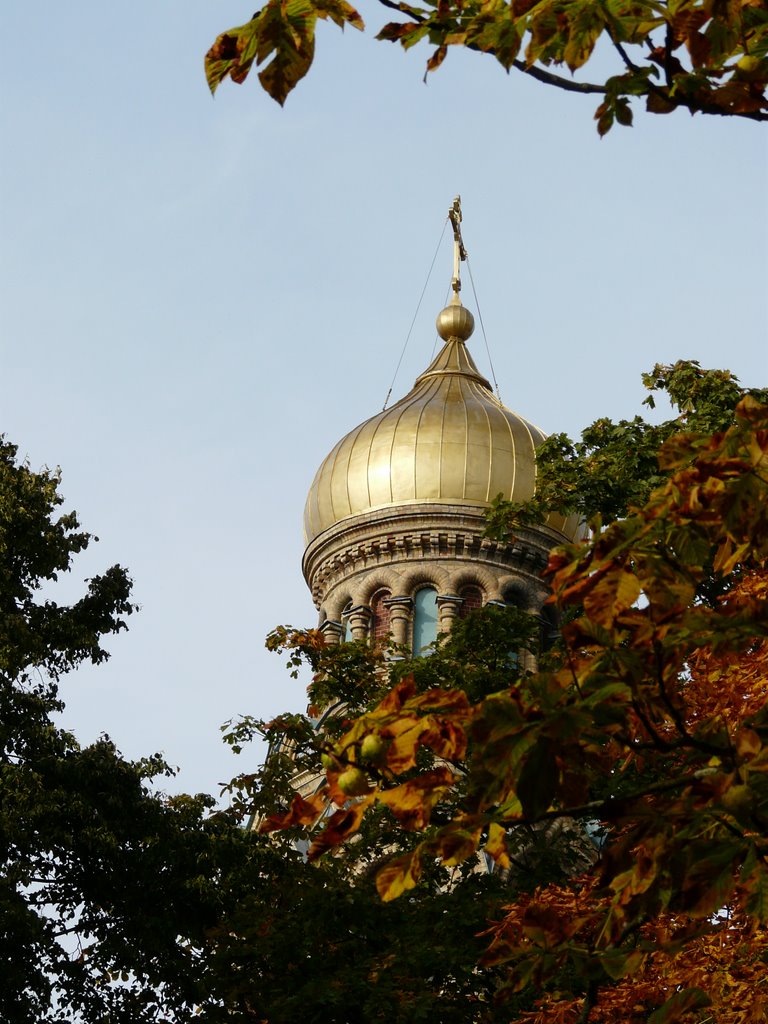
{"x":198,"y":297}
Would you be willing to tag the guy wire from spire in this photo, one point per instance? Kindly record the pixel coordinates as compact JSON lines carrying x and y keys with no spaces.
{"x":418,"y":307}
{"x":482,"y":327}
{"x":437,"y":336}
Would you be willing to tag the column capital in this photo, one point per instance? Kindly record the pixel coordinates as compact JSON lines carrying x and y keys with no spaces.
{"x":448,"y":606}
{"x":400,"y":617}
{"x":359,"y":620}
{"x":332,"y":631}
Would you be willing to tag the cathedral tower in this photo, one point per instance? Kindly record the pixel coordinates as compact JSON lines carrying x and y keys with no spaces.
{"x":394,"y":519}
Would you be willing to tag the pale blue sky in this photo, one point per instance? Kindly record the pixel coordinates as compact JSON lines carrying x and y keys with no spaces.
{"x":198,"y":297}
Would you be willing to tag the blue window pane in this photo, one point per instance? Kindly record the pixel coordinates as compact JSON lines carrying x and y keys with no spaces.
{"x":424,"y":620}
{"x":512,"y":658}
{"x":345,"y":618}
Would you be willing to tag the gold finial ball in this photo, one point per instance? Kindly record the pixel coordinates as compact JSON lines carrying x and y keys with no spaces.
{"x":455,"y":321}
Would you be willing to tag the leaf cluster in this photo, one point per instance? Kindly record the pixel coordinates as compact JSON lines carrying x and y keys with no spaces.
{"x":614,"y":466}
{"x":700,"y":55}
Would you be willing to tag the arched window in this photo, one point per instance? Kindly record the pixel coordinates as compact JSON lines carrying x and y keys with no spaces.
{"x":549,"y":627}
{"x":471,"y":600}
{"x":424,"y":620}
{"x":379,"y":617}
{"x":513,"y":599}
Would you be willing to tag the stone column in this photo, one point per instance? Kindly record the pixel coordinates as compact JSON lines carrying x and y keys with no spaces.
{"x":359,"y":621}
{"x":400,"y":618}
{"x":448,"y":607}
{"x":332,"y":631}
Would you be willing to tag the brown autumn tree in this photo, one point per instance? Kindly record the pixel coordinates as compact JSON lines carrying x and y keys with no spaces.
{"x":649,"y":729}
{"x":704,"y":56}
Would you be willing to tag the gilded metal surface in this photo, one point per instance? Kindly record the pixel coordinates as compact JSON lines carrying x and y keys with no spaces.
{"x":448,"y":441}
{"x":455,"y":321}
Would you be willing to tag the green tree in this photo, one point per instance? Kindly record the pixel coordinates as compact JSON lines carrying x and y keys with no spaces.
{"x":697,"y":55}
{"x":104,"y":885}
{"x":615,"y":466}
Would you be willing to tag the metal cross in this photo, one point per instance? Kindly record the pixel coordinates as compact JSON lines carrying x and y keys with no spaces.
{"x":459,"y":252}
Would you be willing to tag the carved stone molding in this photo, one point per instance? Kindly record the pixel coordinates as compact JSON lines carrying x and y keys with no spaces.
{"x":396,"y":548}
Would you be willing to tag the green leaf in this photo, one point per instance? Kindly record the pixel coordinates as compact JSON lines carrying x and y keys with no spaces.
{"x":340,"y":12}
{"x":586,"y":22}
{"x":624,"y":113}
{"x":618,"y":963}
{"x":232,"y":54}
{"x":757,"y":889}
{"x":498,"y":33}
{"x":283,"y":31}
{"x":604,"y":118}
{"x":399,"y":875}
{"x":288,"y":30}
{"x":659,"y":103}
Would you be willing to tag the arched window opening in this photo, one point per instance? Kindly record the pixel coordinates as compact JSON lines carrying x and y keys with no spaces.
{"x":424,"y":620}
{"x":380,"y":617}
{"x":512,"y":599}
{"x":471,"y":600}
{"x":549,"y":627}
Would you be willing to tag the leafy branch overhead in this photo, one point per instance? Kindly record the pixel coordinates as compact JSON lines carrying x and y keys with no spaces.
{"x":704,"y":56}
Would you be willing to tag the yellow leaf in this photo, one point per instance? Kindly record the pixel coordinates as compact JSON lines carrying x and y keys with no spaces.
{"x":748,"y":743}
{"x":412,"y":802}
{"x":399,"y":875}
{"x":614,"y":593}
{"x":496,"y":846}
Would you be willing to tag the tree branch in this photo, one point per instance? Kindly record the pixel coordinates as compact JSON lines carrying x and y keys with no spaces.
{"x":548,"y":78}
{"x":568,"y":85}
{"x":538,"y":73}
{"x":709,"y":108}
{"x":402,"y":10}
{"x":590,"y":999}
{"x":612,"y":804}
{"x":659,"y":743}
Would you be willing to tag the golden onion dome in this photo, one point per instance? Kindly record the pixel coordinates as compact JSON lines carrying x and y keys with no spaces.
{"x":449,"y":441}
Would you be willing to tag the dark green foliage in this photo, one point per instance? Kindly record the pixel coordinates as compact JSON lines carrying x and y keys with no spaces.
{"x":614,"y":467}
{"x":98,"y":875}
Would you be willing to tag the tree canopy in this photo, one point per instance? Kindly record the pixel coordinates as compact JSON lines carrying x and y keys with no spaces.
{"x":566,"y":832}
{"x":99,"y":874}
{"x":704,"y":56}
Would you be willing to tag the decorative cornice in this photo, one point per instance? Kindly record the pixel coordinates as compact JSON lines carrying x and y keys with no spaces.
{"x":417,"y":534}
